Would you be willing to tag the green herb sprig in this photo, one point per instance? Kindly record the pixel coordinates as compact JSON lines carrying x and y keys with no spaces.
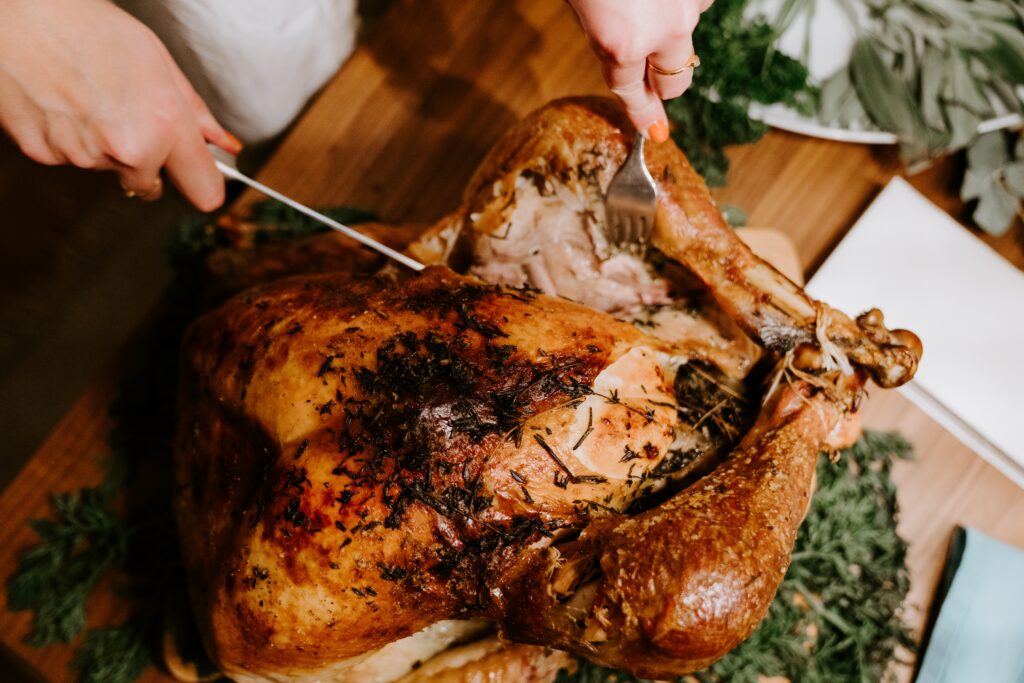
{"x":931,"y":71}
{"x":55,"y":578}
{"x":995,"y":178}
{"x":738,"y":66}
{"x":116,"y":654}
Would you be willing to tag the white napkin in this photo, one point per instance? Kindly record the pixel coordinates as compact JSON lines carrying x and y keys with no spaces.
{"x":930,"y":275}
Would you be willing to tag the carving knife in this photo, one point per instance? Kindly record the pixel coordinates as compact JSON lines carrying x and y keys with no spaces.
{"x":226,"y":165}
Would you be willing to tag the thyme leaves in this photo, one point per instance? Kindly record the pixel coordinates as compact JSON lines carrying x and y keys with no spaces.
{"x":554,"y":456}
{"x":588,"y":430}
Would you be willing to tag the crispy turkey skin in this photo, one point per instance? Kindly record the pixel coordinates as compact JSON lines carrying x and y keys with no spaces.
{"x":362,"y":459}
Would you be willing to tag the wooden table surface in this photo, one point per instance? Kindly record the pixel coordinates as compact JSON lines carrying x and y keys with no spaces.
{"x":400,"y":129}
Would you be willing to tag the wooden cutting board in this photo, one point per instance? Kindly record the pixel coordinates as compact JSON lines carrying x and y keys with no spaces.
{"x":400,"y":129}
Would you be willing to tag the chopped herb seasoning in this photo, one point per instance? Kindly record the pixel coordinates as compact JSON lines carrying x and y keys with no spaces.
{"x":588,"y":430}
{"x":259,"y":574}
{"x":526,"y":494}
{"x":392,"y":572}
{"x":551,"y":453}
{"x":294,"y":515}
{"x":628,"y":454}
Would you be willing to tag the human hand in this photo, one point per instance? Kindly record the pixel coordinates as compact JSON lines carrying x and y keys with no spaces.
{"x":82,"y":82}
{"x":645,"y":48}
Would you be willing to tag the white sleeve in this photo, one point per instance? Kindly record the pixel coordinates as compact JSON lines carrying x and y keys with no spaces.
{"x":254,"y":62}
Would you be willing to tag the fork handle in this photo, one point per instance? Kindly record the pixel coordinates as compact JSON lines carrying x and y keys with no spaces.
{"x":635,"y":163}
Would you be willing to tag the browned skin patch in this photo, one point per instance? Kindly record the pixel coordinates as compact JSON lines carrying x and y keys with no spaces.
{"x":395,"y":503}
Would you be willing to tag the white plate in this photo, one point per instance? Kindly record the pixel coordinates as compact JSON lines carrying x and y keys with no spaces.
{"x":827,"y":47}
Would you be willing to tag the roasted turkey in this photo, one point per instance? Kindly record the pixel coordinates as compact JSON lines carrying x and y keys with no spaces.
{"x":584,"y":450}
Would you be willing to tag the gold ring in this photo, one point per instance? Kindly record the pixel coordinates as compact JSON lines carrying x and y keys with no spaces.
{"x":130,"y":193}
{"x":692,"y":63}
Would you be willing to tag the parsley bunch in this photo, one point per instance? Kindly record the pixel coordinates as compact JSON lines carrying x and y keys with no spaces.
{"x":55,"y":577}
{"x":738,"y":66}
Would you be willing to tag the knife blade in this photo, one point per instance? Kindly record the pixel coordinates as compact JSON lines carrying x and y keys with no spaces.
{"x":226,"y":164}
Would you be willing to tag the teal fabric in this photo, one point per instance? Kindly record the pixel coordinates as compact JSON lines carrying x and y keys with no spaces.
{"x":979,"y":633}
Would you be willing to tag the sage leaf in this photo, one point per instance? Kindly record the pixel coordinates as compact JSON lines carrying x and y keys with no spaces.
{"x":975,"y":182}
{"x":963,"y":102}
{"x":969,"y":38}
{"x":1006,"y":55}
{"x":996,"y":210}
{"x":836,"y":91}
{"x":987,"y":154}
{"x":991,"y":9}
{"x":934,"y":73}
{"x":888,"y":101}
{"x":1013,"y":176}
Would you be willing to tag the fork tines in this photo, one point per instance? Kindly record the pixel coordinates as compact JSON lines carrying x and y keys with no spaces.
{"x":630,"y":202}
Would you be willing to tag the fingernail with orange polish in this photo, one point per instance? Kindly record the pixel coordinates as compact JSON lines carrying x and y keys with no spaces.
{"x":658,"y":131}
{"x":236,"y":145}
